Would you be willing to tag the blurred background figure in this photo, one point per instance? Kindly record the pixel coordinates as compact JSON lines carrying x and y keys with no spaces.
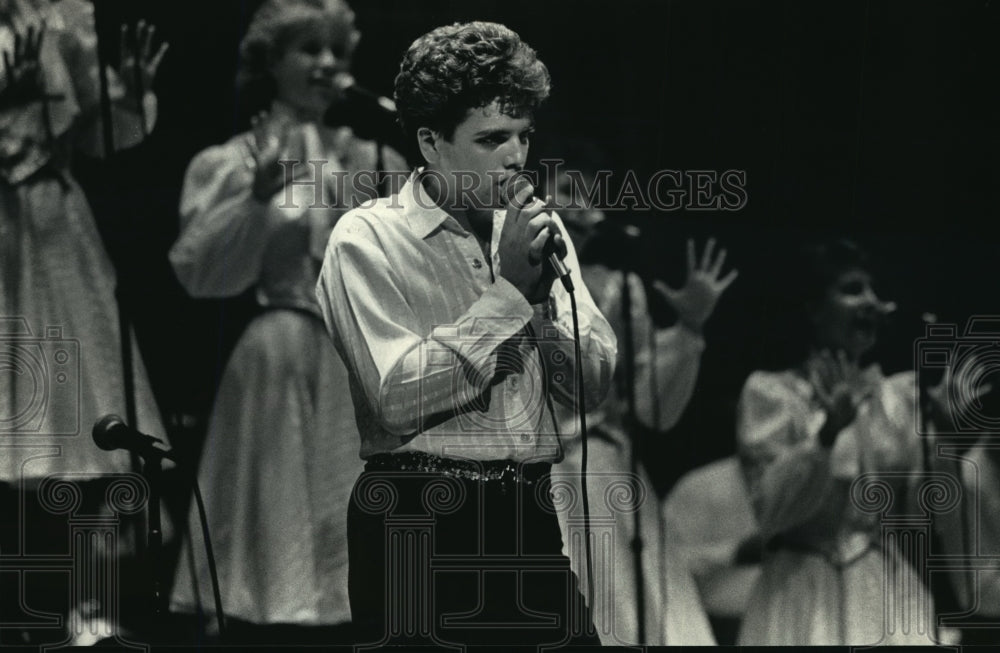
{"x":655,"y":377}
{"x":57,"y":286}
{"x":709,"y":521}
{"x":804,"y":435}
{"x":280,"y":455}
{"x":974,"y":531}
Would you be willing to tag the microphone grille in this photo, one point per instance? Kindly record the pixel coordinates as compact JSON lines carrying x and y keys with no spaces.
{"x":514,"y":185}
{"x":104,"y":431}
{"x":343,"y":81}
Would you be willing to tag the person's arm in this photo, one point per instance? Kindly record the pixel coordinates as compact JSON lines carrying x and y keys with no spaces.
{"x":666,"y":370}
{"x":672,"y":372}
{"x":223,"y":225}
{"x":789,"y":474}
{"x":413,"y":375}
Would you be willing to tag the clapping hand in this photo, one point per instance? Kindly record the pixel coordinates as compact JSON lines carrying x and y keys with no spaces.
{"x":696,"y":299}
{"x":268,"y":140}
{"x":138,"y":62}
{"x":836,"y":382}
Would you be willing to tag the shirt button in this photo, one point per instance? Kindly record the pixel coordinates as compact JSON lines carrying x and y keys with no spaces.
{"x":512,"y":382}
{"x":476,"y":263}
{"x":525,"y":437}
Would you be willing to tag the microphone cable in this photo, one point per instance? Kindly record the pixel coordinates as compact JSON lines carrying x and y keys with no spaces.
{"x":220,"y":616}
{"x":567,"y":282}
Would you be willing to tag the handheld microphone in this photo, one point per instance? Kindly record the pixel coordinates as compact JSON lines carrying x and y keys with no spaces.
{"x":514,"y":186}
{"x":111,"y":433}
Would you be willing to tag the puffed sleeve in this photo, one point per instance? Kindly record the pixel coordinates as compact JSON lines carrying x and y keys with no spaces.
{"x":788,"y":472}
{"x":223,"y":227}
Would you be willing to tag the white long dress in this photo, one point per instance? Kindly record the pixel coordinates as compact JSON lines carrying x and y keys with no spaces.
{"x":60,"y":350}
{"x":281,"y":453}
{"x":666,"y":367}
{"x":830,"y":575}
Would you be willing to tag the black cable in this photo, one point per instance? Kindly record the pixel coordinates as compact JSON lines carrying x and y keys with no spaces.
{"x":582,"y":411}
{"x":220,"y":616}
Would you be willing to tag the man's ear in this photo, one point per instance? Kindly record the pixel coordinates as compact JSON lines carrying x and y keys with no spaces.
{"x":428,"y":140}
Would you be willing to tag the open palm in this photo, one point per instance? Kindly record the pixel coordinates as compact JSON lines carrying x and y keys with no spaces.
{"x":695,"y":300}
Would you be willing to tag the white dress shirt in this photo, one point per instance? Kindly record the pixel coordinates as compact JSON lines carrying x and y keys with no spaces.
{"x":446,"y":356}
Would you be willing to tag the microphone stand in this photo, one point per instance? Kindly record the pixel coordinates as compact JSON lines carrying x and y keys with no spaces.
{"x":152,"y":471}
{"x":632,"y":422}
{"x":124,"y":323}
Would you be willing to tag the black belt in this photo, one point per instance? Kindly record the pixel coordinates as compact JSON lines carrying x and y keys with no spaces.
{"x":505,"y":474}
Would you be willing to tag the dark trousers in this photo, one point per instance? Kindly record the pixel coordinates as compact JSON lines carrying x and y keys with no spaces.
{"x":444,"y":561}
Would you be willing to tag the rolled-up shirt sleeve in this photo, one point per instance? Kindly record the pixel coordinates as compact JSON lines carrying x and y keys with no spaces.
{"x":412,"y":377}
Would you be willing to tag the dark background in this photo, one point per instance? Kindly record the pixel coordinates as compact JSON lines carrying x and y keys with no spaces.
{"x":876,"y":121}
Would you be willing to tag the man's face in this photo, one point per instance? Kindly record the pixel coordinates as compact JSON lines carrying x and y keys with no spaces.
{"x":486,"y":150}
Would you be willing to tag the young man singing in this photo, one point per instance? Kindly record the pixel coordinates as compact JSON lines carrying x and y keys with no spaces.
{"x":442,"y":301}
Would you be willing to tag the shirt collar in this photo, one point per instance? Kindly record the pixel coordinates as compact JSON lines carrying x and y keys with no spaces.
{"x":422,"y":214}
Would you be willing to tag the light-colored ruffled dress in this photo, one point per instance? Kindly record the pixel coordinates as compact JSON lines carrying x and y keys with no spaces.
{"x":832,"y":573}
{"x":60,"y":350}
{"x":281,"y":452}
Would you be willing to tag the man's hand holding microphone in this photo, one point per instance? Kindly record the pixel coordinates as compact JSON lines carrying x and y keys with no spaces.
{"x":532,"y":247}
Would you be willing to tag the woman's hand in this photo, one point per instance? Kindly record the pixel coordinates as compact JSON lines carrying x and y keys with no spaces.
{"x":22,"y":69}
{"x":836,"y":382}
{"x":138,"y":62}
{"x":267,"y":143}
{"x":696,"y":299}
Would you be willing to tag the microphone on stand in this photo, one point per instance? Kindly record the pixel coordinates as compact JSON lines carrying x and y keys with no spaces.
{"x":371,"y":116}
{"x":349,"y":87}
{"x":111,"y":433}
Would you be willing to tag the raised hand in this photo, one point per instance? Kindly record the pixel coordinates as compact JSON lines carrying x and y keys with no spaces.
{"x":22,"y":69}
{"x":138,"y":61}
{"x":268,"y":140}
{"x":696,"y":299}
{"x":836,"y":383}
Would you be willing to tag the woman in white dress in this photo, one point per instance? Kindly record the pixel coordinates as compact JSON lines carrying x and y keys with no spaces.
{"x":666,"y":363}
{"x":804,"y":435}
{"x":280,"y":457}
{"x":60,"y":347}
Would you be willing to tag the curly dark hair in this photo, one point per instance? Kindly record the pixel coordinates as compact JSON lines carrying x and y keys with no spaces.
{"x":466,"y":66}
{"x":274,"y":25}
